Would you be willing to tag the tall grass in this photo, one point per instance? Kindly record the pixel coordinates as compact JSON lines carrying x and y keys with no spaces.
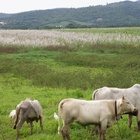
{"x":53,"y":37}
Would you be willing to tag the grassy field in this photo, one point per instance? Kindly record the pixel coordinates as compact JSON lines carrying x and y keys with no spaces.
{"x":52,"y":65}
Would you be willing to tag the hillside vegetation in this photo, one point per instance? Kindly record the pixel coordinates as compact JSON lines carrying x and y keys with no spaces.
{"x":120,"y":14}
{"x":67,"y":69}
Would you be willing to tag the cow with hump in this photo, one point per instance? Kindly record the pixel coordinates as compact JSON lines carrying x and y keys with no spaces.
{"x":132,"y":94}
{"x":28,"y":111}
{"x":100,"y":112}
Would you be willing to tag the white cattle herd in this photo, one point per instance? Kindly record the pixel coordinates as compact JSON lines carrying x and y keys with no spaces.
{"x":107,"y":106}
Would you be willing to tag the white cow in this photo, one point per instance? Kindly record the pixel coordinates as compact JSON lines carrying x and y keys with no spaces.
{"x":132,"y":93}
{"x":101,"y":112}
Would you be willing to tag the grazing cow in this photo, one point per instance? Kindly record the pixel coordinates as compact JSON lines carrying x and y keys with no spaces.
{"x":101,"y":112}
{"x":132,"y":94}
{"x":28,"y":111}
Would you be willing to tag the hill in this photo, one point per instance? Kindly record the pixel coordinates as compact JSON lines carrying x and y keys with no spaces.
{"x":118,"y":14}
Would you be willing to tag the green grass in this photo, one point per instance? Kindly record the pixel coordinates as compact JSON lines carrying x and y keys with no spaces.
{"x":131,"y":31}
{"x":11,"y":94}
{"x":78,"y":69}
{"x":50,"y":74}
{"x":13,"y":90}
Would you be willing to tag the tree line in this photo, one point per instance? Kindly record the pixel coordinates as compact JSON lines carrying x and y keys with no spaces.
{"x":119,"y":14}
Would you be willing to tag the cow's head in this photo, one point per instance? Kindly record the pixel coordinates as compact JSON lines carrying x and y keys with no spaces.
{"x":125,"y":106}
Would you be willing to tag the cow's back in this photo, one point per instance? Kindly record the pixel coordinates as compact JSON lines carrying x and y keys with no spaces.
{"x":27,"y":110}
{"x":37,"y":107}
{"x":82,"y":111}
{"x":132,"y":93}
{"x":108,"y":93}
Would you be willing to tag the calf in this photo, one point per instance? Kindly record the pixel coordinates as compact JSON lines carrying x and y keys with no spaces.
{"x":101,"y":112}
{"x":28,"y":111}
{"x":132,"y":94}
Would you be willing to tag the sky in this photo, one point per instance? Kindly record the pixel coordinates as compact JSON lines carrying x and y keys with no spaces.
{"x":16,"y":6}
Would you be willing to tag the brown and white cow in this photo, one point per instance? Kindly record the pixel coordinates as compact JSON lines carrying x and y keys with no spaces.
{"x":132,"y":94}
{"x":100,"y":112}
{"x":28,"y":111}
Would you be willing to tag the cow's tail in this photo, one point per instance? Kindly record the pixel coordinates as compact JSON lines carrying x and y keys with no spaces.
{"x":60,"y":108}
{"x":17,"y":117}
{"x":94,"y":94}
{"x":59,"y":126}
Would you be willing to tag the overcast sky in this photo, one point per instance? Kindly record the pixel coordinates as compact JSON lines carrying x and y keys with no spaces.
{"x":16,"y":6}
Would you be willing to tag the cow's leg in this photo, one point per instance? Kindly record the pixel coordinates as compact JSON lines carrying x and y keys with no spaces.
{"x":130,"y":120}
{"x":41,"y":124}
{"x":31,"y":126}
{"x":103,"y":129}
{"x":138,"y":120}
{"x":17,"y":135}
{"x":99,"y":131}
{"x":19,"y":125}
{"x":68,"y":133}
{"x":103,"y":132}
{"x":96,"y":129}
{"x":65,"y":133}
{"x":65,"y":129}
